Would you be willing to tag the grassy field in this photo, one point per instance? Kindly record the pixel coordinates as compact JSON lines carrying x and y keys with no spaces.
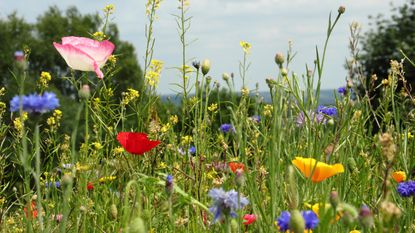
{"x":234,"y":164}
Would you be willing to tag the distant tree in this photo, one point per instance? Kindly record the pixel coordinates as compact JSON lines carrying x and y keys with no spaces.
{"x":384,"y":42}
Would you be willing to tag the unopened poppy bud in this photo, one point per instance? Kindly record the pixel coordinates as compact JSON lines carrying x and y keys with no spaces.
{"x":334,"y":199}
{"x":349,"y":213}
{"x":169,"y":185}
{"x":292,"y":188}
{"x":196,"y":64}
{"x":225,"y":77}
{"x":239,"y":177}
{"x":297,"y":223}
{"x":67,"y":180}
{"x":366,"y":216}
{"x":208,"y":80}
{"x":341,"y":9}
{"x":205,"y":66}
{"x":84,"y":92}
{"x":279,"y":59}
{"x":114,"y":211}
{"x":136,"y":226}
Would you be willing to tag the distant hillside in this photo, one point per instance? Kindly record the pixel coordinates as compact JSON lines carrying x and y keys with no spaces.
{"x":326,"y":97}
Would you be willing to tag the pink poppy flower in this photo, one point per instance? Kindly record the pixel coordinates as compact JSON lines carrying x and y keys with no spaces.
{"x":85,"y":54}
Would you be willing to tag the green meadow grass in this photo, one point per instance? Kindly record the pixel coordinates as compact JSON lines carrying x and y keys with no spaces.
{"x":103,"y":188}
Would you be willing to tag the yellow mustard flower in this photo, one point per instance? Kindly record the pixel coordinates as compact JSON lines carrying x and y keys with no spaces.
{"x":246,"y":47}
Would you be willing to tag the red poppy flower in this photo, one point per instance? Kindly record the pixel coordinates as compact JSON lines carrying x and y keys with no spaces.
{"x":249,"y":219}
{"x":90,"y":186}
{"x":234,"y":166}
{"x":32,"y":210}
{"x":136,"y":143}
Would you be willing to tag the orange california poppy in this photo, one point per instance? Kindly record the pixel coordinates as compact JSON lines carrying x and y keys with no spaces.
{"x":317,"y":171}
{"x":399,"y":176}
{"x":234,"y":166}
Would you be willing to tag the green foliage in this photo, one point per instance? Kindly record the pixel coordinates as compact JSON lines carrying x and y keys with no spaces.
{"x":385,"y":40}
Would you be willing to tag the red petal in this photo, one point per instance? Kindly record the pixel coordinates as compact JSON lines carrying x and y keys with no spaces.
{"x":136,"y":143}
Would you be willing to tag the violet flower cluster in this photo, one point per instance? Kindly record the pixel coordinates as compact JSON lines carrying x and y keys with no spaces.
{"x":227,"y":128}
{"x":35,"y":103}
{"x":406,"y":189}
{"x":226,"y":203}
{"x":310,"y":219}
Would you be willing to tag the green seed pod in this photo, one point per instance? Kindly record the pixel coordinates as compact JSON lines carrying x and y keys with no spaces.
{"x":114,"y":211}
{"x":205,"y":66}
{"x":136,"y":226}
{"x":297,"y":222}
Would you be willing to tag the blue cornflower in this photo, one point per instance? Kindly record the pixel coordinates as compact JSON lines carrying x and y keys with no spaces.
{"x":225,"y":203}
{"x":314,"y":118}
{"x":192,"y":150}
{"x":56,"y":184}
{"x":226,"y":128}
{"x":35,"y":103}
{"x":406,"y":189}
{"x":327,"y":110}
{"x":256,"y":118}
{"x":169,"y":184}
{"x":342,"y":90}
{"x":310,"y":219}
{"x":284,"y":221}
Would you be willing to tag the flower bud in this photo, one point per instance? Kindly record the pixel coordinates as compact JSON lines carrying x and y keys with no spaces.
{"x":67,"y":180}
{"x":225,"y":77}
{"x":84,"y":92}
{"x":239,"y":177}
{"x":205,"y":66}
{"x":169,"y":185}
{"x":366,"y":217}
{"x":297,"y":223}
{"x":114,"y":211}
{"x":279,"y":59}
{"x":196,"y":64}
{"x":349,"y":213}
{"x":136,"y":226}
{"x":334,"y":199}
{"x":341,"y":9}
{"x":284,"y":72}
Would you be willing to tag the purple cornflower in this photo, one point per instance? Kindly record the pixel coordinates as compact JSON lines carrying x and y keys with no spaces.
{"x":35,"y":103}
{"x":314,"y":117}
{"x":56,"y":184}
{"x":192,"y":150}
{"x":256,"y":118}
{"x":342,"y":90}
{"x":226,"y":128}
{"x":329,"y":111}
{"x":406,"y":189}
{"x":169,"y":184}
{"x":310,"y":219}
{"x":225,"y":203}
{"x":284,"y":221}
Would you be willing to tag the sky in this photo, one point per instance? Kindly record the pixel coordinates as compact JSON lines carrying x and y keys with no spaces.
{"x":218,"y":26}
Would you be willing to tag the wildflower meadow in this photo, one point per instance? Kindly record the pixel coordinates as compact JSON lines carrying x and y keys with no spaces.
{"x":221,"y":160}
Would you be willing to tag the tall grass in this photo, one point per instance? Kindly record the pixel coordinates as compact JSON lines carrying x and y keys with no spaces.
{"x":103,"y":188}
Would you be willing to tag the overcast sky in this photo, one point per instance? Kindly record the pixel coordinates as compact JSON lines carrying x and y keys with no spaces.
{"x":219,"y":25}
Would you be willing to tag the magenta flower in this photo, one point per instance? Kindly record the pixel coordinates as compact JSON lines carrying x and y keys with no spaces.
{"x":85,"y":54}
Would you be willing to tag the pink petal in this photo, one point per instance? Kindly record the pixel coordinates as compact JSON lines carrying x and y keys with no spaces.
{"x":99,"y":73}
{"x":75,"y":58}
{"x":99,"y":51}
